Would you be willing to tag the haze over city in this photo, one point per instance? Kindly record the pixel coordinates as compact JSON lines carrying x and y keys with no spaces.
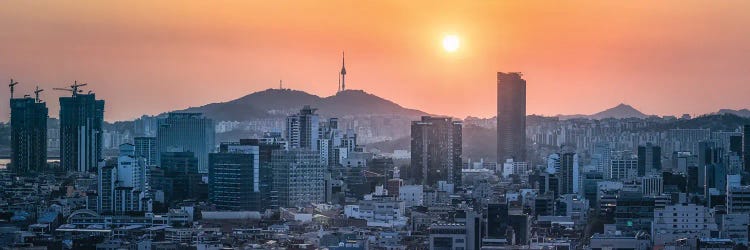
{"x":143,"y":57}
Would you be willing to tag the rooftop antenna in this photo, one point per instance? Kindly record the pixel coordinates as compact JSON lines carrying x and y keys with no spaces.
{"x":36,"y":93}
{"x":11,"y":85}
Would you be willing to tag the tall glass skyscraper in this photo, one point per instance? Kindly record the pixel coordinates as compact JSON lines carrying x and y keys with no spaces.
{"x":183,"y":132}
{"x":511,"y":117}
{"x":81,"y":121}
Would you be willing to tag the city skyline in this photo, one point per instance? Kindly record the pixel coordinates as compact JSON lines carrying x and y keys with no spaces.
{"x":205,"y":53}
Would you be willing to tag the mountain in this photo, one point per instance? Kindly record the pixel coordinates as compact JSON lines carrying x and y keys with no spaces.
{"x":280,"y":102}
{"x":618,"y":112}
{"x":739,"y":112}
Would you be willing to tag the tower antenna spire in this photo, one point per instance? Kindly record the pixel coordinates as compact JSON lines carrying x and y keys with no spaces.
{"x":343,"y":72}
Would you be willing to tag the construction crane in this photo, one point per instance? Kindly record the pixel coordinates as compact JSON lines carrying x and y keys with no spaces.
{"x":11,"y":85}
{"x":73,"y":88}
{"x":36,"y":93}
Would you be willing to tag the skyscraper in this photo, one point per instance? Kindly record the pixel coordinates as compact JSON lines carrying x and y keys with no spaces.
{"x":182,"y":132}
{"x":28,"y":121}
{"x":649,"y":159}
{"x":302,"y":129}
{"x":145,"y":147}
{"x":436,"y":150}
{"x":569,"y":173}
{"x":511,"y":117}
{"x":81,"y":121}
{"x":234,"y":177}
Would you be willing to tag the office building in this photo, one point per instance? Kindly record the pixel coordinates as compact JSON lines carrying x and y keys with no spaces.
{"x":652,"y":185}
{"x":569,"y":173}
{"x":623,"y":168}
{"x":634,"y":212}
{"x":178,"y":178}
{"x":186,"y":132}
{"x":145,"y":147}
{"x":511,"y":117}
{"x":649,"y":159}
{"x":234,"y":177}
{"x":601,"y":156}
{"x":298,"y":177}
{"x":81,"y":121}
{"x":28,"y":135}
{"x":735,"y":227}
{"x":680,"y":221}
{"x":240,"y":177}
{"x":738,"y":199}
{"x":436,"y":150}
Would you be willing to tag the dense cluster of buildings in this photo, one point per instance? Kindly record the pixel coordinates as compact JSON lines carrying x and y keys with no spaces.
{"x":556,"y":184}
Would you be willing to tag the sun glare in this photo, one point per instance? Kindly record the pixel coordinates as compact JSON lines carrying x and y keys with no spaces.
{"x":450,"y":43}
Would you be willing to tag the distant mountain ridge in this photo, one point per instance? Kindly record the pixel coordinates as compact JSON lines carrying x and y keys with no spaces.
{"x":280,"y":102}
{"x":620,"y":111}
{"x":739,"y":112}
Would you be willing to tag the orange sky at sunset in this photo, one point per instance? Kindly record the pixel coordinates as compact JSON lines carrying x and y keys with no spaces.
{"x":147,"y":57}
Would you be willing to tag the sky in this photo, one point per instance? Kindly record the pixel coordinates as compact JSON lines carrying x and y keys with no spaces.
{"x":578,"y":57}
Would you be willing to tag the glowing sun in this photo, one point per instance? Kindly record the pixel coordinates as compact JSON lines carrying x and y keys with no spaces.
{"x":451,"y":43}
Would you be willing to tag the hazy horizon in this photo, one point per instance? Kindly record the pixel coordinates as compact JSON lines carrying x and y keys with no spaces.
{"x":578,"y":57}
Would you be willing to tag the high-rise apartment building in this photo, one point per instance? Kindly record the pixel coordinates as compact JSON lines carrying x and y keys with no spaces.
{"x":81,"y":121}
{"x":511,"y":117}
{"x":302,"y":129}
{"x":436,"y":150}
{"x":28,"y":121}
{"x":183,"y":132}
